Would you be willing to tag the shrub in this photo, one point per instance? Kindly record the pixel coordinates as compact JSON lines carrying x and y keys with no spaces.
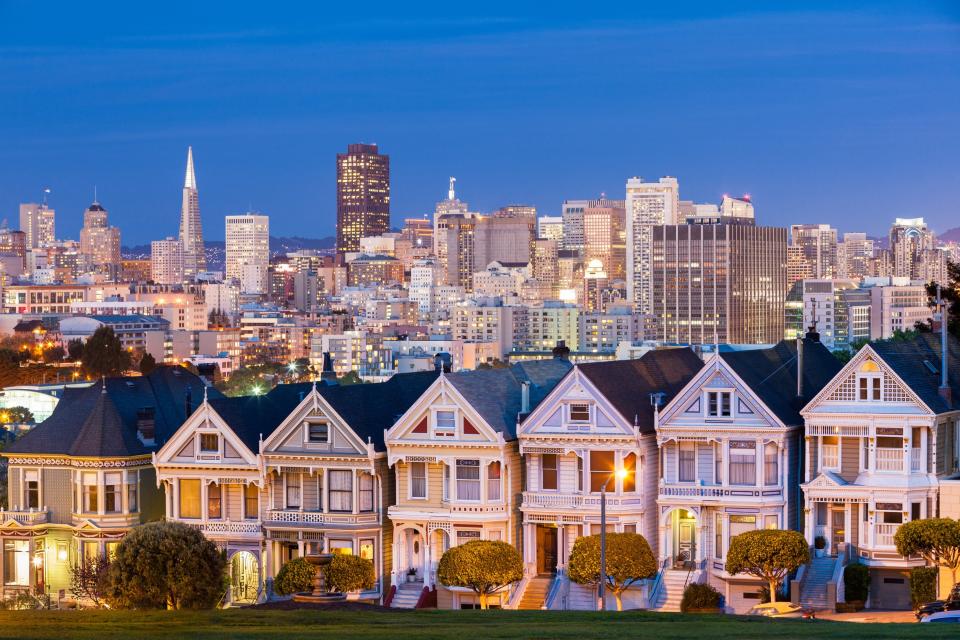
{"x":484,"y":566}
{"x":856,"y":580}
{"x":820,"y":543}
{"x":629,"y":559}
{"x":923,"y":585}
{"x":166,"y":565}
{"x":295,"y":576}
{"x":768,"y":554}
{"x":90,"y":579}
{"x":350,"y":573}
{"x":698,"y":597}
{"x":936,"y":539}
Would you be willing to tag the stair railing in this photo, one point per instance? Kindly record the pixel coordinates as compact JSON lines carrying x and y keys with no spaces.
{"x":657,"y":584}
{"x":552,"y":591}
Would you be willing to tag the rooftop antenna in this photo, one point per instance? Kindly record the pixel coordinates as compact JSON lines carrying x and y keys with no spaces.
{"x":450,"y":193}
{"x":95,"y":193}
{"x":46,"y":192}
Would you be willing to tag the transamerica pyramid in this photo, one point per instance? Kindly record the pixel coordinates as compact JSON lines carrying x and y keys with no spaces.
{"x":191,"y":231}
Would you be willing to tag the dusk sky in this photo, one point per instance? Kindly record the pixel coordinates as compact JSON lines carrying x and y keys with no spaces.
{"x":841,"y":113}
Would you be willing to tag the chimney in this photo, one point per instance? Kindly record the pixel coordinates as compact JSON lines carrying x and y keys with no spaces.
{"x":328,"y":373}
{"x":188,"y":401}
{"x":945,"y":391}
{"x":799,"y":367}
{"x":146,"y":425}
{"x":561,"y":351}
{"x":525,"y":397}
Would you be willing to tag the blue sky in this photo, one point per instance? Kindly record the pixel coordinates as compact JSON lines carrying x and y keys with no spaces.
{"x":845,"y":113}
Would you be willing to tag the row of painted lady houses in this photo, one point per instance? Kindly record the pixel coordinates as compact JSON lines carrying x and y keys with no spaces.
{"x":397,"y":472}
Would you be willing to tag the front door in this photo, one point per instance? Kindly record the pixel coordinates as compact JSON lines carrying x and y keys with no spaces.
{"x":837,"y":520}
{"x":547,"y":549}
{"x":685,"y":541}
{"x":415,"y":549}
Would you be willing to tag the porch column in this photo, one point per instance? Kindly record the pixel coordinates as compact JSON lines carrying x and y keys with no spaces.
{"x":808,"y":467}
{"x":176,"y":499}
{"x":847,"y":523}
{"x":871,"y":517}
{"x":725,"y":519}
{"x":325,"y":491}
{"x":810,"y":519}
{"x":484,"y":466}
{"x":872,"y":451}
{"x":204,"y":502}
{"x":907,"y":444}
{"x":924,"y":443}
{"x":355,"y":491}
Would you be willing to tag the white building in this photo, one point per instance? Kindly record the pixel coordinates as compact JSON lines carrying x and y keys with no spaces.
{"x":647,"y":204}
{"x":248,"y":251}
{"x":166,"y":261}
{"x":550,"y":228}
{"x":896,"y":304}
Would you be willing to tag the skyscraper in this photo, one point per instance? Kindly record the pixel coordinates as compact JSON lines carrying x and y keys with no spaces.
{"x":38,"y":221}
{"x":99,"y":242}
{"x":818,"y":244}
{"x":913,"y":249}
{"x":166,"y":261}
{"x":647,"y":204}
{"x":451,"y":206}
{"x":363,"y":195}
{"x":248,"y":251}
{"x":191,"y":231}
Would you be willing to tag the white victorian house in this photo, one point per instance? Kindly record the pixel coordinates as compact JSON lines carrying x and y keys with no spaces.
{"x":457,"y":472}
{"x":878,"y":437}
{"x":729,"y":444}
{"x":597,"y":420}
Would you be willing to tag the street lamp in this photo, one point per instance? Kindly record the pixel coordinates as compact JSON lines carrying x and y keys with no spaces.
{"x":619,"y":474}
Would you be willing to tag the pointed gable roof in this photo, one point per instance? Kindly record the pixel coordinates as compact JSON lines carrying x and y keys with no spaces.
{"x":772,"y":374}
{"x":909,"y":358}
{"x":627,"y":384}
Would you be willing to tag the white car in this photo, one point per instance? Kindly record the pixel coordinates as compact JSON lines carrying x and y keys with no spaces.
{"x":776,"y":610}
{"x":943,"y":616}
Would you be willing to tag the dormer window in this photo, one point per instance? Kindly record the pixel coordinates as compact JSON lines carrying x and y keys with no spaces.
{"x":580,"y":412}
{"x":719,"y":404}
{"x":446,"y":423}
{"x":209,"y":442}
{"x":869,"y":380}
{"x":318,"y":432}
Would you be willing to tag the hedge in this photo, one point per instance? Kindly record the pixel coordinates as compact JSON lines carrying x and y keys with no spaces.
{"x":698,"y":596}
{"x":856,"y":580}
{"x":923,"y":585}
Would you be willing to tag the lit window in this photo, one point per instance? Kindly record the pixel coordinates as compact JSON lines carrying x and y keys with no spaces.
{"x":189,"y":498}
{"x":209,"y":442}
{"x":579,"y":413}
{"x":214,"y":501}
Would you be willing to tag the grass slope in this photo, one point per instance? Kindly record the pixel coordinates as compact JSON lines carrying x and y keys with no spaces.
{"x":422,"y":625}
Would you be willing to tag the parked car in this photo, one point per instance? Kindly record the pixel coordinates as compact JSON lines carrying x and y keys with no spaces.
{"x":951,"y":603}
{"x":777,"y":610}
{"x":943,"y":616}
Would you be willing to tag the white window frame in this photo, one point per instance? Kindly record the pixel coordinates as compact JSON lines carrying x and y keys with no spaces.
{"x":444,"y":433}
{"x":306,"y":431}
{"x":426,"y":483}
{"x":729,"y":393}
{"x":573,"y":420}
{"x":870,"y":377}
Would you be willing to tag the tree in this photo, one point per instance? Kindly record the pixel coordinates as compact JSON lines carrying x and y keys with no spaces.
{"x":484,"y":566}
{"x":295,"y":576}
{"x":768,"y":554}
{"x":350,"y":377}
{"x":89,"y":579}
{"x":75,"y":349}
{"x":937,"y":540}
{"x":17,"y":415}
{"x":350,"y":573}
{"x":103,"y":355}
{"x":218,"y":319}
{"x":54,"y":354}
{"x":628,"y":556}
{"x":950,"y":292}
{"x":147,"y":363}
{"x":166,"y":565}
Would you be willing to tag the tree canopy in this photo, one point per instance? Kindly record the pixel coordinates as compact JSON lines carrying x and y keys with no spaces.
{"x":350,"y":573}
{"x":147,"y":363}
{"x":484,"y":566}
{"x":295,"y":576}
{"x":628,"y":555}
{"x":950,"y":292}
{"x":768,"y":554}
{"x":163,"y":565}
{"x":937,"y":540}
{"x":103,"y":355}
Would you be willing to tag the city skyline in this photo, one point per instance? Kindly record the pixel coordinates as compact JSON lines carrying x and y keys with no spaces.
{"x":809,"y":129}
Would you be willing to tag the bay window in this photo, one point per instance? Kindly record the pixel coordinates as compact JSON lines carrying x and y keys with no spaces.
{"x":548,"y":472}
{"x":493,"y":481}
{"x":91,"y":502}
{"x":189,"y":498}
{"x":16,"y":562}
{"x":601,"y":467}
{"x":688,"y":462}
{"x":112,"y":492}
{"x":341,"y":490}
{"x":214,"y":502}
{"x":468,"y":479}
{"x":743,"y":462}
{"x":293,"y":490}
{"x":31,"y":489}
{"x":133,"y":494}
{"x":770,"y":463}
{"x":366,"y":492}
{"x":418,"y":479}
{"x":251,"y":502}
{"x":630,"y":467}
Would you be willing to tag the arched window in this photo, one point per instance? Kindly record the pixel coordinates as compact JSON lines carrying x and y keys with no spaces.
{"x":869,"y":381}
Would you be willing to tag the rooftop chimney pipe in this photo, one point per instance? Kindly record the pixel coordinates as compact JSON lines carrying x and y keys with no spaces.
{"x":799,"y":367}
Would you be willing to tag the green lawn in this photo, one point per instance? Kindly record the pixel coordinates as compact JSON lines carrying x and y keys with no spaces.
{"x":461,"y":625}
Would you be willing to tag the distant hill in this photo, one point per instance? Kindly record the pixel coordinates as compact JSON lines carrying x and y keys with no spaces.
{"x":950,"y":235}
{"x":277,"y":245}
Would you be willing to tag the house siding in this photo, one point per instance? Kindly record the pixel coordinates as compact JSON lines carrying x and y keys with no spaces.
{"x":58,"y":494}
{"x":850,"y":458}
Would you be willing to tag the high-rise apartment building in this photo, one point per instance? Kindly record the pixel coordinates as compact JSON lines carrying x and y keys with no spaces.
{"x":525,"y":211}
{"x":854,"y":255}
{"x":550,"y":228}
{"x":248,"y":251}
{"x":913,"y":251}
{"x":504,"y":240}
{"x":718,"y":283}
{"x":647,"y":204}
{"x":458,"y":233}
{"x":363,"y":195}
{"x":166,"y":261}
{"x":818,"y":246}
{"x":38,"y":221}
{"x":731,"y":207}
{"x":99,"y":242}
{"x":605,"y":237}
{"x":191,"y":229}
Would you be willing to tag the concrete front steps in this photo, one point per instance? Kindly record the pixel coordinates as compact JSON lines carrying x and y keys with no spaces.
{"x":535,"y":595}
{"x":813,"y":590}
{"x":407,"y":595}
{"x":671,"y":590}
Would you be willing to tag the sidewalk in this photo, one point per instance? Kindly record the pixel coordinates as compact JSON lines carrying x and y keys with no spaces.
{"x":869,"y":615}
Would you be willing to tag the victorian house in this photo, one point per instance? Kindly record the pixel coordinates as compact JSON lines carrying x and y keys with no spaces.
{"x":730,"y":462}
{"x":457,"y":472}
{"x":599,"y":419}
{"x":78,"y":481}
{"x":878,"y":438}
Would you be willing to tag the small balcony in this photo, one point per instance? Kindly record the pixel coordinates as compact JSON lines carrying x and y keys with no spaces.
{"x":227,"y":528}
{"x":279,"y":517}
{"x":884,"y":534}
{"x":890,"y":459}
{"x":587,"y":501}
{"x":26,"y":517}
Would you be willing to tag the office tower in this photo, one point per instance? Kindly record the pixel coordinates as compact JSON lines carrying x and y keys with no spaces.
{"x":451,"y":206}
{"x":853,"y":256}
{"x":913,"y":250}
{"x":595,"y":281}
{"x":419,"y":232}
{"x":504,"y":240}
{"x":458,"y":233}
{"x":896,"y":304}
{"x":550,"y":228}
{"x":166,"y":261}
{"x":363,"y":195}
{"x":647,"y":204}
{"x":99,"y":242}
{"x":544,"y":268}
{"x":191,"y":231}
{"x":838,"y":309}
{"x":12,"y":242}
{"x":604,"y":237}
{"x":718,"y":283}
{"x":38,"y":221}
{"x":731,"y":207}
{"x":818,"y":244}
{"x":248,"y":251}
{"x":524,"y":211}
{"x":572,"y":216}
{"x":798,"y":269}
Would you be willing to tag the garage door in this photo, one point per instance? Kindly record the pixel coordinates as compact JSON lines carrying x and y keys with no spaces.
{"x":890,"y":590}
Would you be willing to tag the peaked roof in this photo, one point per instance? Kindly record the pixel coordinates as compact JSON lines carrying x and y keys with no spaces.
{"x":772,"y":374}
{"x":88,"y":422}
{"x":496,"y":394}
{"x":909,"y":358}
{"x":627,"y":384}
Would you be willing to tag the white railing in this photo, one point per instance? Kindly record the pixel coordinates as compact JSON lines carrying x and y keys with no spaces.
{"x":717,"y":491}
{"x":316,"y":517}
{"x":915,"y":459}
{"x":477,"y":508}
{"x":889,"y":459}
{"x":545,"y":500}
{"x":251,"y":527}
{"x":831,"y":456}
{"x":884,"y":534}
{"x":25,"y":518}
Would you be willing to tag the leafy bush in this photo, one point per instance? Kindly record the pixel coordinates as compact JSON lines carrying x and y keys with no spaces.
{"x":923,"y":585}
{"x":856,"y":580}
{"x":768,"y":554}
{"x":820,"y":543}
{"x":90,"y":579}
{"x":350,"y":573}
{"x":166,"y":565}
{"x":629,"y":559}
{"x":295,"y":576}
{"x":697,"y":597}
{"x":484,"y":566}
